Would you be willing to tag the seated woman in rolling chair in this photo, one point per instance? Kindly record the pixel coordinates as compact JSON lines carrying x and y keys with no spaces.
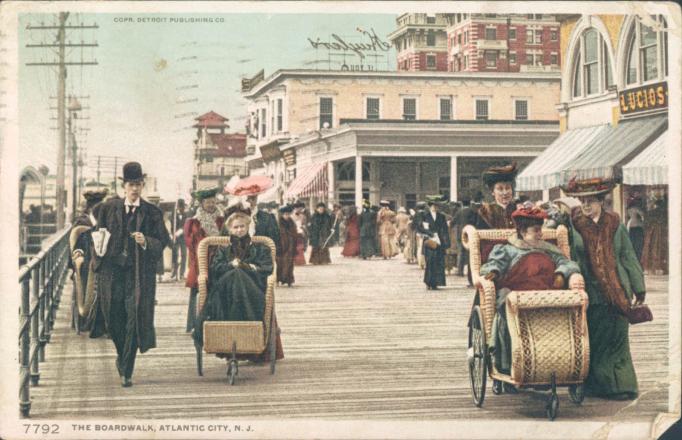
{"x":237,"y":277}
{"x":526,"y":262}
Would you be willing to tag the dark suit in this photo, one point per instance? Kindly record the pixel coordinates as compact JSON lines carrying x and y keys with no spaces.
{"x":368,"y":233}
{"x":266,"y":226}
{"x":434,"y":275}
{"x":127,"y":280}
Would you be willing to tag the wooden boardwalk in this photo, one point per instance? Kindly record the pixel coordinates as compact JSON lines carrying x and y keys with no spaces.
{"x":362,"y":340}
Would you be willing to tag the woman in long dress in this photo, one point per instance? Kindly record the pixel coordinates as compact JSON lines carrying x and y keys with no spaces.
{"x":613,"y":280}
{"x":287,"y":246}
{"x":301,"y":220}
{"x":321,"y":230}
{"x":351,"y":247}
{"x":387,"y":231}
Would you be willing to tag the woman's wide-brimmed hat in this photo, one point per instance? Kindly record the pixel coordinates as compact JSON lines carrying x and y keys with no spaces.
{"x":588,"y":187}
{"x":384,"y":203}
{"x":251,"y":186}
{"x":530,"y":212}
{"x":435,"y":199}
{"x":286,"y":208}
{"x":206,"y":193}
{"x":94,"y":196}
{"x":132,"y":172}
{"x":494,"y":175}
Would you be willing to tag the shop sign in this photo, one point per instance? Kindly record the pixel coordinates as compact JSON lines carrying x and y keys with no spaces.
{"x":644,"y":98}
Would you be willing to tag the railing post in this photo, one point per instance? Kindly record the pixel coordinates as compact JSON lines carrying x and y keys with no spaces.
{"x":24,"y":393}
{"x":41,"y":311}
{"x":35,"y":330}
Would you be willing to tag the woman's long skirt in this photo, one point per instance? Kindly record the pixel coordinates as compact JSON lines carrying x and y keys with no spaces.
{"x":320,"y":255}
{"x":285,"y":269}
{"x":611,"y":371}
{"x":299,"y":259}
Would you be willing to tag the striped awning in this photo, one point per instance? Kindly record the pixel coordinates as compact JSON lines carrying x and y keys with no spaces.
{"x":545,"y":170}
{"x":650,"y":167}
{"x":311,"y":180}
{"x":606,"y":156}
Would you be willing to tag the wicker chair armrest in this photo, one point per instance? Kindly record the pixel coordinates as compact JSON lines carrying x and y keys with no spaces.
{"x":487,"y":295}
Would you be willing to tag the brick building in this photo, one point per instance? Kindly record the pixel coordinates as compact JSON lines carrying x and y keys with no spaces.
{"x":421,"y":42}
{"x":218,"y":155}
{"x":503,"y":43}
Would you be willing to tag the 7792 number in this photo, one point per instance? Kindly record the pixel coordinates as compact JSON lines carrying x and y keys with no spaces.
{"x":37,"y":428}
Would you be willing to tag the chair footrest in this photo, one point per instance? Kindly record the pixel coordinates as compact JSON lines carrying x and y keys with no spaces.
{"x":220,"y":335}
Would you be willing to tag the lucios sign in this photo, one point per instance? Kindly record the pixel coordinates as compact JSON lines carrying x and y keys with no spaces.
{"x":645,"y":98}
{"x":373,"y":44}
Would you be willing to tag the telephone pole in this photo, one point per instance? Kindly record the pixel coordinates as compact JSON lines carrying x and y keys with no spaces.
{"x":61,"y":65}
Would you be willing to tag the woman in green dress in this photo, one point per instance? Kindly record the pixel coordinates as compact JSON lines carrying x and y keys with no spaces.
{"x":613,"y":278}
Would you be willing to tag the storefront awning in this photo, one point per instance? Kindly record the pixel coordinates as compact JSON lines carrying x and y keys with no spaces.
{"x":311,"y":180}
{"x":545,"y":171}
{"x":606,"y":156}
{"x":650,"y":167}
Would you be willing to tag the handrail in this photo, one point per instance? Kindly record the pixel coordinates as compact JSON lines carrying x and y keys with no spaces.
{"x":41,"y":282}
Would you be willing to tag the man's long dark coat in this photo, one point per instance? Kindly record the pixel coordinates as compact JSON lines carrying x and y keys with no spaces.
{"x":434,"y":275}
{"x":150,"y":223}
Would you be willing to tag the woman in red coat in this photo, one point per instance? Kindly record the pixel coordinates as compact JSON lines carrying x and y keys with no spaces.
{"x":351,"y":247}
{"x":207,"y":222}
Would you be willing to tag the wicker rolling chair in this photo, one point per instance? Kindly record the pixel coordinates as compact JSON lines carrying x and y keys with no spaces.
{"x":239,"y":339}
{"x":548,"y":328}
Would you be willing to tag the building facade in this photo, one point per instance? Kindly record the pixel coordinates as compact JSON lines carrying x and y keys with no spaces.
{"x":421,"y":42}
{"x":503,"y":43}
{"x":411,"y":133}
{"x":218,"y":155}
{"x":613,"y":111}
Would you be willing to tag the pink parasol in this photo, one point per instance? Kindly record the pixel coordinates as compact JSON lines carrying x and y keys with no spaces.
{"x":250,"y":186}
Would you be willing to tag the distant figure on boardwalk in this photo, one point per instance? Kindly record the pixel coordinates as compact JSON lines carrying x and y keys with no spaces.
{"x":411,"y":249}
{"x":301,"y":220}
{"x":286,"y":251}
{"x":387,"y":231}
{"x":179,"y":244}
{"x":351,"y":247}
{"x":262,"y":222}
{"x":321,"y":231}
{"x":368,"y":228}
{"x":207,"y":221}
{"x":401,"y":221}
{"x":126,"y":271}
{"x":435,"y":228}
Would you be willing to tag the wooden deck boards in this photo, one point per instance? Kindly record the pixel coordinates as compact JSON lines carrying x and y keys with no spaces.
{"x":362,"y":340}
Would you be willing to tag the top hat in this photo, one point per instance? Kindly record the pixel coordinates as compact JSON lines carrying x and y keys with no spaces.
{"x":132,"y":172}
{"x":588,"y":187}
{"x":181,"y":203}
{"x":494,"y":175}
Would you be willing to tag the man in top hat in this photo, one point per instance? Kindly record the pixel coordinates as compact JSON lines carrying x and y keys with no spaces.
{"x":207,"y":221}
{"x":500,"y":182}
{"x":179,"y":245}
{"x":82,"y":261}
{"x":321,"y":231}
{"x":127,"y":285}
{"x":613,"y":280}
{"x":368,"y":230}
{"x":434,"y":226}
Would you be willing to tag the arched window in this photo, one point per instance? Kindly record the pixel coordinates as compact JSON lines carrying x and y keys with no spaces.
{"x":592,"y":65}
{"x":647,"y":51}
{"x":346,"y":171}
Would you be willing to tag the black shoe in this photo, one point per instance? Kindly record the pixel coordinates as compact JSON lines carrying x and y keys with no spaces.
{"x":126,"y":382}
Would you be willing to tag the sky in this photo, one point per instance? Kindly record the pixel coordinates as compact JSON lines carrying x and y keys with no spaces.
{"x":150,"y":73}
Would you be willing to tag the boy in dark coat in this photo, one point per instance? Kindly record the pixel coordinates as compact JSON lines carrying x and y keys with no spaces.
{"x":126,"y":271}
